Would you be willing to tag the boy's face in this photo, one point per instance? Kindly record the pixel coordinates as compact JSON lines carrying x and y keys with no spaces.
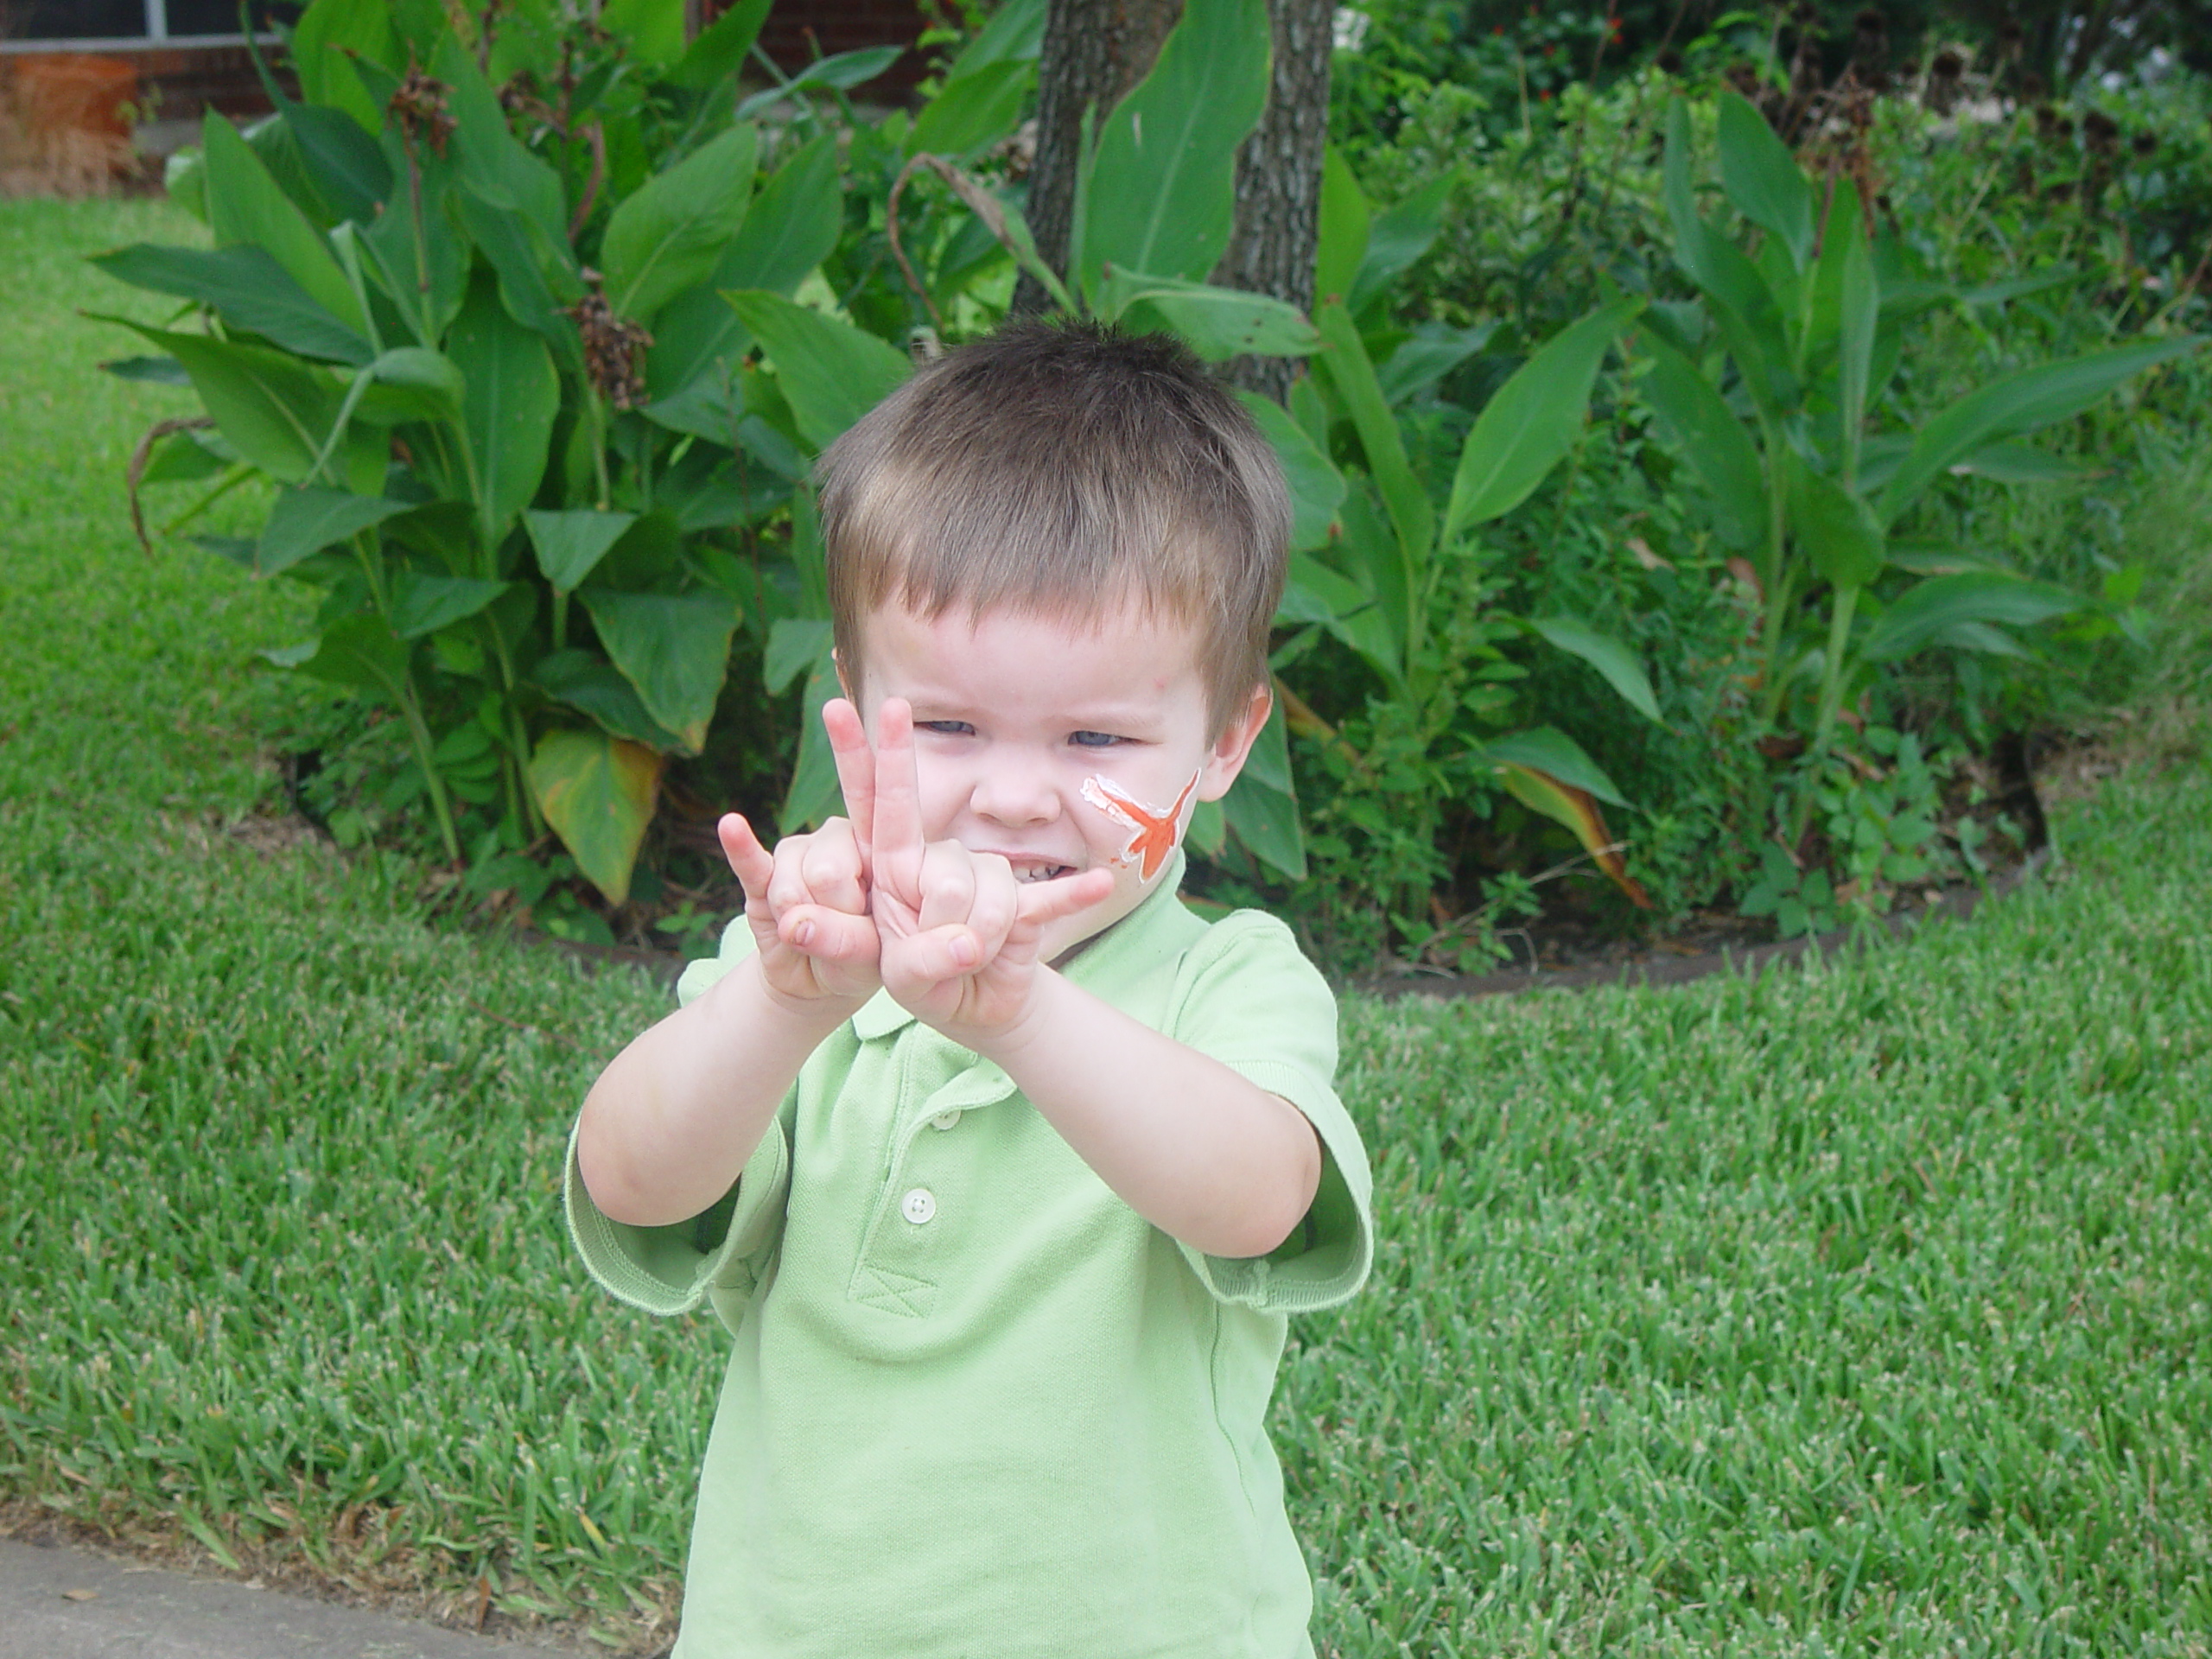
{"x":1013,"y":714}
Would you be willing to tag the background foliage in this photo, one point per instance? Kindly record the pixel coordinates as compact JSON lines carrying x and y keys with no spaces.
{"x":634,"y":638}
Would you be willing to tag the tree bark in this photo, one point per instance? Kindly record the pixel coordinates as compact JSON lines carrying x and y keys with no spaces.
{"x":1279,"y":182}
{"x":1094,"y":51}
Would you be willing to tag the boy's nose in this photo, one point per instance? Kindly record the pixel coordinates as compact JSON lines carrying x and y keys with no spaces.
{"x":1016,"y":795}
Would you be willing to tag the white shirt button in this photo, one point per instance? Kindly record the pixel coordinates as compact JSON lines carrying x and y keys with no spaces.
{"x":918,"y":1205}
{"x":944,"y":1120}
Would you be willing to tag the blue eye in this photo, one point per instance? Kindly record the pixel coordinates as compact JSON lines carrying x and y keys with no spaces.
{"x":1093,"y":739}
{"x":946,"y":727}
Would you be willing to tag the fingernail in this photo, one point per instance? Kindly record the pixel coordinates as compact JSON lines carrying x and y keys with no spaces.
{"x":964,"y":952}
{"x":803,"y":935}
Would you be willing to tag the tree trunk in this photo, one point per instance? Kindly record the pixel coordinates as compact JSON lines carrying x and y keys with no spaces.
{"x":1094,"y":51}
{"x":1279,"y":182}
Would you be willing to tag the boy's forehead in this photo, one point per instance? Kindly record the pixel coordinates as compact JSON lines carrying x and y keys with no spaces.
{"x":1129,"y":620}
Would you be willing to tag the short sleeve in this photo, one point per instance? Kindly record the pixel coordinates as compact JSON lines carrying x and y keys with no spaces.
{"x":1247,"y":996}
{"x":717,"y":1255}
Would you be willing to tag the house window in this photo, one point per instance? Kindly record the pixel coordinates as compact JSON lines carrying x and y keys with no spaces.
{"x":32,"y":24}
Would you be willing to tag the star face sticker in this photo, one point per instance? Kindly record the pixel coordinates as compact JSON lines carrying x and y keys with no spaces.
{"x":1152,"y":832}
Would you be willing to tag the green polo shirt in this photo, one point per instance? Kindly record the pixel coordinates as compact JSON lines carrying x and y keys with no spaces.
{"x":977,"y":1406}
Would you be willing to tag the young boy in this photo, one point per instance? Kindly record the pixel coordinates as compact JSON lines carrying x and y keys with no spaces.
{"x":1002,"y":1168}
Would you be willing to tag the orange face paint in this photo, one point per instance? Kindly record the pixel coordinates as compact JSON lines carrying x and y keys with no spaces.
{"x":1152,"y":833}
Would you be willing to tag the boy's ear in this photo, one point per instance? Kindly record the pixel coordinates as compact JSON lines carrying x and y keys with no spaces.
{"x":844,"y":680}
{"x":1234,"y":746}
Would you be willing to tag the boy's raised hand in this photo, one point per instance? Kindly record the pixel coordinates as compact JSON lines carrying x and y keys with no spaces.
{"x":808,"y":900}
{"x":959,"y":936}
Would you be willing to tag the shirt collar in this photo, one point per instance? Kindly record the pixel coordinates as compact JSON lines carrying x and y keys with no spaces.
{"x":1145,"y":935}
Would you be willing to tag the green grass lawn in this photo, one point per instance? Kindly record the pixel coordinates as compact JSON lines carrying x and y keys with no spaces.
{"x":1865,"y":1308}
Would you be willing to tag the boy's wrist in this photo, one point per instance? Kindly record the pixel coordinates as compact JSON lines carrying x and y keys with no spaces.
{"x":1006,"y":1044}
{"x":816,"y":1016}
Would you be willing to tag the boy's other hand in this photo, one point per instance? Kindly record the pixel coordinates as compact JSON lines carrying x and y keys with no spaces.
{"x":958,"y":934}
{"x":808,"y":901}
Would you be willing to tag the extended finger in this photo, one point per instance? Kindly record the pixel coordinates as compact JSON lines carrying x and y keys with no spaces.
{"x":855,"y":761}
{"x":749,"y":861}
{"x":895,"y":848}
{"x":1045,"y":902}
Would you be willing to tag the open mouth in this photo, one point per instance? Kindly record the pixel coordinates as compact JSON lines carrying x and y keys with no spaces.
{"x":1029,"y":871}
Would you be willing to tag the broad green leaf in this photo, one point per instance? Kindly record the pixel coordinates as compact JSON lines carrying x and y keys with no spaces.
{"x":1269,"y":760}
{"x":1314,"y":593}
{"x":1217,"y":323}
{"x":1622,"y":668}
{"x":328,"y":33}
{"x":512,"y":396}
{"x":358,"y":650}
{"x":831,"y":373}
{"x":974,"y":112}
{"x":814,"y":793}
{"x":1742,"y":304}
{"x":304,"y":522}
{"x":1577,"y":811}
{"x":652,"y":31}
{"x":421,"y":605}
{"x":1345,"y":363}
{"x":489,"y":160}
{"x":2019,"y":403}
{"x":1266,"y":820}
{"x":412,"y":382}
{"x":1836,"y":529}
{"x":671,"y":233}
{"x":246,"y":205}
{"x":569,"y":544}
{"x":1858,"y":300}
{"x":791,"y":228}
{"x":1162,"y":191}
{"x":598,"y":792}
{"x":1527,"y":429}
{"x":1718,"y":449}
{"x":150,"y":370}
{"x":274,"y":410}
{"x":346,"y":166}
{"x":1207,"y":834}
{"x":1016,"y":32}
{"x":795,"y":645}
{"x":1426,"y":356}
{"x":1396,"y":237}
{"x":249,"y":288}
{"x":1548,"y":750}
{"x":1931,"y":608}
{"x":426,"y":279}
{"x":1342,"y":244}
{"x":2008,"y":462}
{"x":673,"y":647}
{"x":721,"y":49}
{"x":1763,"y":179}
{"x":593,"y":686}
{"x":182,"y":458}
{"x":184,"y":179}
{"x":1317,"y":489}
{"x":841,"y":73}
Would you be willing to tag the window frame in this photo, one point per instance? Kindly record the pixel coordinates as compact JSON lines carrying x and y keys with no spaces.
{"x":156,"y":37}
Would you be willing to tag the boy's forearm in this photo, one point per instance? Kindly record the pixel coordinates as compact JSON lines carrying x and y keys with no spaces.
{"x":673,"y":1119}
{"x":1205,"y":1155}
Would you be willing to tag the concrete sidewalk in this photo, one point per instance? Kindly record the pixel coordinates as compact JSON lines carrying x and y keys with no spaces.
{"x":65,"y":1603}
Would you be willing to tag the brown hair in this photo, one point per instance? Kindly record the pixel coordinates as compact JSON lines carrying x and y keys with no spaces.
{"x":1057,"y":468}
